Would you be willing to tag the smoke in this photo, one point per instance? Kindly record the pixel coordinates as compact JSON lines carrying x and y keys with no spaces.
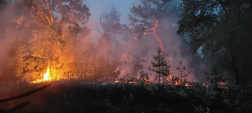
{"x":10,"y":37}
{"x":99,"y":55}
{"x":132,"y":50}
{"x":128,"y":50}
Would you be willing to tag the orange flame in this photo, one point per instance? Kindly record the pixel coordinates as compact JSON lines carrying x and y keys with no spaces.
{"x":46,"y":77}
{"x":187,"y":84}
{"x":176,"y":83}
{"x":47,"y":74}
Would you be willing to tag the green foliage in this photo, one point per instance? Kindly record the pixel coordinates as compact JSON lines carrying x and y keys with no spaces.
{"x":160,"y":66}
{"x":121,"y":97}
{"x":220,"y":27}
{"x":199,"y":109}
{"x":144,"y":15}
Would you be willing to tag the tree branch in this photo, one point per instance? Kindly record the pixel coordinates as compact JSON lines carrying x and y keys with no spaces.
{"x":23,"y":104}
{"x":24,"y":94}
{"x":243,"y":15}
{"x":225,"y":9}
{"x":50,"y":12}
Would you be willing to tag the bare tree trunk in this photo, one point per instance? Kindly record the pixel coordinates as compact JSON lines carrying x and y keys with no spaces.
{"x":159,"y":70}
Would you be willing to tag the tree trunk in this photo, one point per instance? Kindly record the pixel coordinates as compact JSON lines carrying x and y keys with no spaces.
{"x":181,"y":79}
{"x":159,"y":69}
{"x":234,"y":67}
{"x":236,"y":70}
{"x":163,"y":79}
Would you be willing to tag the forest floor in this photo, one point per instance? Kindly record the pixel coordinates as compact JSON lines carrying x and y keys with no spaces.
{"x":71,"y":97}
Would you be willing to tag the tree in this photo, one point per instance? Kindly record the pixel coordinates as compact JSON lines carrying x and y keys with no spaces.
{"x":53,"y":41}
{"x":143,"y":76}
{"x":107,"y":20}
{"x":215,"y":76}
{"x":41,"y":13}
{"x":160,"y":66}
{"x":182,"y":74}
{"x":108,"y":44}
{"x":145,"y":15}
{"x":104,"y":50}
{"x":220,"y":27}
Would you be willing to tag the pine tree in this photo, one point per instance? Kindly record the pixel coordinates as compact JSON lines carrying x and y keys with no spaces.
{"x":182,"y":74}
{"x":160,"y":66}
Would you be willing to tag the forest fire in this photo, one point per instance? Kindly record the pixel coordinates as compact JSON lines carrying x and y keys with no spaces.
{"x":167,"y":81}
{"x":46,"y":76}
{"x":138,"y":56}
{"x":153,"y":31}
{"x":188,"y":84}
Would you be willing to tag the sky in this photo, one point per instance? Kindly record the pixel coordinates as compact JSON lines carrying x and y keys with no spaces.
{"x":97,"y":7}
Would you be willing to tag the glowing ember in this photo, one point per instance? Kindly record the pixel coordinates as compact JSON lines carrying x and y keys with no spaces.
{"x":188,"y":84}
{"x":205,"y":85}
{"x":170,"y":59}
{"x":176,"y":83}
{"x":222,"y":83}
{"x":154,"y":32}
{"x":116,"y":81}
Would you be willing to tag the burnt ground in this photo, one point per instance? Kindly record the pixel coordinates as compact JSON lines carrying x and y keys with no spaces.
{"x":69,"y":97}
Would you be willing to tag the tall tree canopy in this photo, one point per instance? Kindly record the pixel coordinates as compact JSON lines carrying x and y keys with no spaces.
{"x":108,"y":19}
{"x":46,"y":12}
{"x":56,"y":27}
{"x":144,"y":16}
{"x":221,"y":27}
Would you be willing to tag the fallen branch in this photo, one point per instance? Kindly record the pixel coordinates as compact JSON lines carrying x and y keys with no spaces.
{"x":28,"y":93}
{"x":13,"y":109}
{"x":23,"y":104}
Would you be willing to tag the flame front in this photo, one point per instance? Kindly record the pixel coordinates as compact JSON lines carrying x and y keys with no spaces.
{"x":47,"y":74}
